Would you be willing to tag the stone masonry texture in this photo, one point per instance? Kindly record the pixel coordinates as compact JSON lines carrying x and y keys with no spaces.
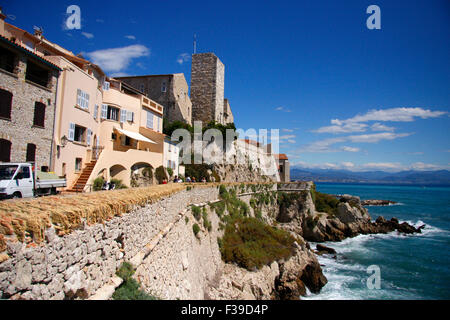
{"x":207,"y":88}
{"x":176,"y":101}
{"x":77,"y":265}
{"x":19,"y":130}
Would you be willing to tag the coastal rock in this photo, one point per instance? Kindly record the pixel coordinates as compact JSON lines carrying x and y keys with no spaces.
{"x":301,"y":271}
{"x":324,"y":249}
{"x":373,"y":202}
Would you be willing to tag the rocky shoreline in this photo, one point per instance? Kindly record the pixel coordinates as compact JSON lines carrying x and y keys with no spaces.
{"x":373,"y":202}
{"x":349,"y":219}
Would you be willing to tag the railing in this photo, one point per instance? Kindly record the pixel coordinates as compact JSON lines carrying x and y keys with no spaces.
{"x":96,"y":151}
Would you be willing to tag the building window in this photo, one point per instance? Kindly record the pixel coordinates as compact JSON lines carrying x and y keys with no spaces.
{"x":39,"y":114}
{"x":5,"y":104}
{"x":96,"y":112}
{"x":80,"y":134}
{"x":163,"y":87}
{"x":125,"y":140}
{"x":5,"y":146}
{"x":31,"y":152}
{"x":78,"y":163}
{"x":7,"y":60}
{"x":82,"y":99}
{"x":37,"y":74}
{"x":112,"y":113}
{"x":142,"y":87}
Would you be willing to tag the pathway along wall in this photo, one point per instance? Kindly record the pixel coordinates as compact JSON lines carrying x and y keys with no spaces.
{"x":171,"y":261}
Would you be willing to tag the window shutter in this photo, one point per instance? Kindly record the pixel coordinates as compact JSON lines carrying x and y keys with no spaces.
{"x":71,"y":131}
{"x":104,"y":111}
{"x":130,"y":116}
{"x":149,"y":120}
{"x":157,"y":128}
{"x":79,"y":97}
{"x":89,"y":135}
{"x":96,"y":112}
{"x":106,"y":86}
{"x":87,"y":101}
{"x":123,"y":139}
{"x":123,"y":115}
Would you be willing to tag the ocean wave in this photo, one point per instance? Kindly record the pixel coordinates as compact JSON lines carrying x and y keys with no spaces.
{"x":386,"y":205}
{"x":427,"y":230}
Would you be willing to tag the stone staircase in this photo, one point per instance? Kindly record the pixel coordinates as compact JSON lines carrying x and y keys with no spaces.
{"x":80,"y":183}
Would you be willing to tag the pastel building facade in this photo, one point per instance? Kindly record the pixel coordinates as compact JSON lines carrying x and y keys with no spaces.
{"x":93,"y":125}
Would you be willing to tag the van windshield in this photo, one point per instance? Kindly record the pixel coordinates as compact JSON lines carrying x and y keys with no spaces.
{"x":7,"y":172}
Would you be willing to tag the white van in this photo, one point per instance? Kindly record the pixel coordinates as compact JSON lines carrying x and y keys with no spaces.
{"x":19,"y":180}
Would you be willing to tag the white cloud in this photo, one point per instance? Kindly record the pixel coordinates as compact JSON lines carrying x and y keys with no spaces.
{"x":350,"y":149}
{"x":287,"y":130}
{"x":325,"y":145}
{"x":381,"y":127}
{"x":119,"y":74}
{"x":344,"y":128}
{"x":131,"y":37}
{"x":283,"y":109}
{"x":291,"y":141}
{"x":426,"y":166}
{"x":321,"y":146}
{"x":376,"y":137}
{"x":357,"y":123}
{"x":117,"y":59}
{"x":184,"y":57}
{"x":383,"y":166}
{"x":396,"y":114}
{"x":348,"y":164}
{"x":88,"y":35}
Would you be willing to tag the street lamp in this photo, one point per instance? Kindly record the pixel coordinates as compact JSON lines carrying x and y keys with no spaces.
{"x":63,"y":141}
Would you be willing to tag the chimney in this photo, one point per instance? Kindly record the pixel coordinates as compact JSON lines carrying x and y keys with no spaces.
{"x":38,"y":31}
{"x":2,"y":22}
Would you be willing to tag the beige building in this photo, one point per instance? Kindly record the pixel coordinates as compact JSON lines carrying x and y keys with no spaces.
{"x":283,"y":167}
{"x":169,"y":90}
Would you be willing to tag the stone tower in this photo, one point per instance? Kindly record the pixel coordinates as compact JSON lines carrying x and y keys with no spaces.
{"x":207,"y":88}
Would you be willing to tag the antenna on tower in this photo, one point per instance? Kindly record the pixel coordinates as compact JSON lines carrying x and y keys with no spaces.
{"x":195,"y":43}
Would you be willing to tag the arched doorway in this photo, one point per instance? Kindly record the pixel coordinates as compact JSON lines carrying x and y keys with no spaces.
{"x":141,"y":175}
{"x":119,"y":172}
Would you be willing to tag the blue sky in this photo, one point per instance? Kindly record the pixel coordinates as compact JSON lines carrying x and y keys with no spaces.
{"x":343,"y":96}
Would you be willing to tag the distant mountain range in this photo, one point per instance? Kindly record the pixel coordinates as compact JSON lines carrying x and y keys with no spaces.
{"x":441,"y":177}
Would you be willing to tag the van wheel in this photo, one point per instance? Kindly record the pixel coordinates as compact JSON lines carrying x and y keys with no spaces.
{"x":17,"y":195}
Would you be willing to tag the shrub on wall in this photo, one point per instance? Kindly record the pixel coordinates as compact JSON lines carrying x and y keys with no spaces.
{"x":251,"y":243}
{"x":98,"y":184}
{"x":195,"y":229}
{"x":169,"y":171}
{"x":130,"y":289}
{"x":118,"y":183}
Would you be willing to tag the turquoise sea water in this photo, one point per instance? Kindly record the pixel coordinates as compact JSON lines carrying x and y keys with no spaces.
{"x":412,"y":266}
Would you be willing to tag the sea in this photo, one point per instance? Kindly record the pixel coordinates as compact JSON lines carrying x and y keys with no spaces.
{"x":392,"y":266}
